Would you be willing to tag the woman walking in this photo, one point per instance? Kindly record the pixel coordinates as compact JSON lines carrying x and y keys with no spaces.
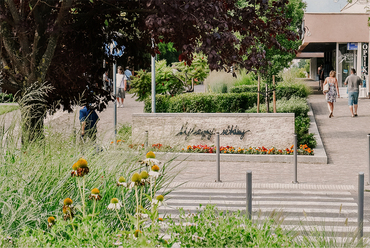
{"x":333,"y":92}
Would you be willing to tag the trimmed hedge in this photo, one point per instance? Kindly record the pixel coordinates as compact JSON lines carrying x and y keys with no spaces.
{"x":203,"y":103}
{"x":295,"y":105}
{"x":282,"y":90}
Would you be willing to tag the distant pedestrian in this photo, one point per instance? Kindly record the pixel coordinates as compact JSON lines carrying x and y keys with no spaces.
{"x":122,"y":87}
{"x":106,"y":81}
{"x":88,"y":118}
{"x":353,"y":82}
{"x":333,"y":92}
{"x":320,"y":72}
{"x":128,"y":75}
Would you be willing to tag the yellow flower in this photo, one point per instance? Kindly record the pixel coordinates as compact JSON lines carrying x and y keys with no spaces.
{"x":67,"y":202}
{"x":155,"y":168}
{"x":150,"y":154}
{"x":136,"y":178}
{"x":81,"y":163}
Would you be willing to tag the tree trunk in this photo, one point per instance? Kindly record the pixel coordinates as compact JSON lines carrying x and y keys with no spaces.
{"x":33,"y":111}
{"x":33,"y":122}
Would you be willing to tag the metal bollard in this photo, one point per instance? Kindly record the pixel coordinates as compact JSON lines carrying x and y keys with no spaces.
{"x":249,"y":194}
{"x":218,"y":157}
{"x":360,"y":211}
{"x":368,"y":155}
{"x":146,"y":140}
{"x":295,"y":159}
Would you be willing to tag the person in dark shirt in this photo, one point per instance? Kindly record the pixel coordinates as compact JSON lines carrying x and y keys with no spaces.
{"x":88,"y":119}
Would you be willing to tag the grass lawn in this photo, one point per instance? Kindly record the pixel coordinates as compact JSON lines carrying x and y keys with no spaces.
{"x":7,"y":108}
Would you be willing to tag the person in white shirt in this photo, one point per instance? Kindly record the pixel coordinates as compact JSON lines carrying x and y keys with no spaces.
{"x":122,"y":86}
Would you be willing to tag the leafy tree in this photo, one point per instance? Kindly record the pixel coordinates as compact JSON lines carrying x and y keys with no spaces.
{"x":62,"y":42}
{"x":170,"y":80}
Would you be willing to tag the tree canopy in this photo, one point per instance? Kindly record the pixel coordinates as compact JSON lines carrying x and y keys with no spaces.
{"x":62,"y":42}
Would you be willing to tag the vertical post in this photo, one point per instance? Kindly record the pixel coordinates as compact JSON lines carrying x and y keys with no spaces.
{"x":368,"y":155}
{"x":146,"y":140}
{"x":267,"y":99}
{"x":274,"y":93}
{"x":249,"y":194}
{"x":295,"y":159}
{"x":258,"y":95}
{"x":153,"y":80}
{"x":115,"y":101}
{"x":360,"y":212}
{"x":218,"y":156}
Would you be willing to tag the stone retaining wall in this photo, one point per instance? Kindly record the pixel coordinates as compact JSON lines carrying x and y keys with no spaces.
{"x":236,"y":129}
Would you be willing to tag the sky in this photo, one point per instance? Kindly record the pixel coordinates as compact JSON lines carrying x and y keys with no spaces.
{"x":325,"y":6}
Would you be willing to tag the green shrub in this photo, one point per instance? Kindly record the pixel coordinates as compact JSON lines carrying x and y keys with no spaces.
{"x":295,"y":105}
{"x":214,"y":228}
{"x":302,"y":125}
{"x":246,"y":78}
{"x":203,"y":103}
{"x":6,"y":98}
{"x":283,"y":89}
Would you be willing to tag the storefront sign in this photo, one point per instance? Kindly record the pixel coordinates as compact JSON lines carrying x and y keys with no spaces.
{"x":352,"y":46}
{"x":365,"y":58}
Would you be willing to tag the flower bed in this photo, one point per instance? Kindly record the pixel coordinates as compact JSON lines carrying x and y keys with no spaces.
{"x":302,"y":150}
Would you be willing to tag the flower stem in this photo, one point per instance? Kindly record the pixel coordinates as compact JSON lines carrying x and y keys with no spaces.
{"x":123,"y":203}
{"x":119,"y":218}
{"x":137,"y":208}
{"x":93,"y":210}
{"x":79,"y":188}
{"x":70,"y":216}
{"x":83,"y":196}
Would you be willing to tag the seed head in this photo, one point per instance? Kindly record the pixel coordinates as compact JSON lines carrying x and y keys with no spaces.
{"x":121,"y":180}
{"x":136,"y":178}
{"x":155,"y":168}
{"x":95,"y":191}
{"x":114,"y":201}
{"x":150,"y":154}
{"x":81,"y":163}
{"x":144,"y":175}
{"x":67,"y":202}
{"x":160,"y":198}
{"x":51,"y":220}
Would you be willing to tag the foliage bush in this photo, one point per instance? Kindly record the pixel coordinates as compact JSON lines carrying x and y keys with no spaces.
{"x":283,"y":89}
{"x":203,"y":103}
{"x":214,"y":228}
{"x":295,"y":105}
{"x":302,"y":124}
{"x":170,"y":80}
{"x":4,"y":98}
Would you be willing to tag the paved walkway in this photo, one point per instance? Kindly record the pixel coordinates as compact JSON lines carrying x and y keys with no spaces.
{"x":344,"y":138}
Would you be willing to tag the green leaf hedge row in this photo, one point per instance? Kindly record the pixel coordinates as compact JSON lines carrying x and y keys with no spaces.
{"x":203,"y":103}
{"x":282,"y":90}
{"x":295,"y":105}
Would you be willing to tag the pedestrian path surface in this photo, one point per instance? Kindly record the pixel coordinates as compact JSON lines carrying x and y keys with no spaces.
{"x":328,"y":209}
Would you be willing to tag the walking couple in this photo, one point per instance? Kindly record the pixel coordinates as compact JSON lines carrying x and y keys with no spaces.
{"x":331,"y":91}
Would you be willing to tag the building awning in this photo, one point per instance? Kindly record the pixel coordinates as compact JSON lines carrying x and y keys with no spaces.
{"x":324,"y":30}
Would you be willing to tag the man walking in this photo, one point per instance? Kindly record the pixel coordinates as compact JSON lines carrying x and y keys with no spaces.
{"x":88,"y":119}
{"x":353,"y":82}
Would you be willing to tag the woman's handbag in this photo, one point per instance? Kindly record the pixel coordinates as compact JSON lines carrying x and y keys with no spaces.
{"x":326,"y":88}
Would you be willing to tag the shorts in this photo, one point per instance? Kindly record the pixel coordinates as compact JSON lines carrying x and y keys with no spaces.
{"x":120,"y":93}
{"x":352,"y":98}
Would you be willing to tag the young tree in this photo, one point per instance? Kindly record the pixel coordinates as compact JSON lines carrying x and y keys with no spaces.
{"x":62,"y":42}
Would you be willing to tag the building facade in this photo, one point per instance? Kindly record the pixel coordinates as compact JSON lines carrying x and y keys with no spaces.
{"x":338,"y":41}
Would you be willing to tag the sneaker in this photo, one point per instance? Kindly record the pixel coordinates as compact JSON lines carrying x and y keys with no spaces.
{"x":122,"y":105}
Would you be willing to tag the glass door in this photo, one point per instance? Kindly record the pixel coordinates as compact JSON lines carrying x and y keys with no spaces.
{"x":347,"y":61}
